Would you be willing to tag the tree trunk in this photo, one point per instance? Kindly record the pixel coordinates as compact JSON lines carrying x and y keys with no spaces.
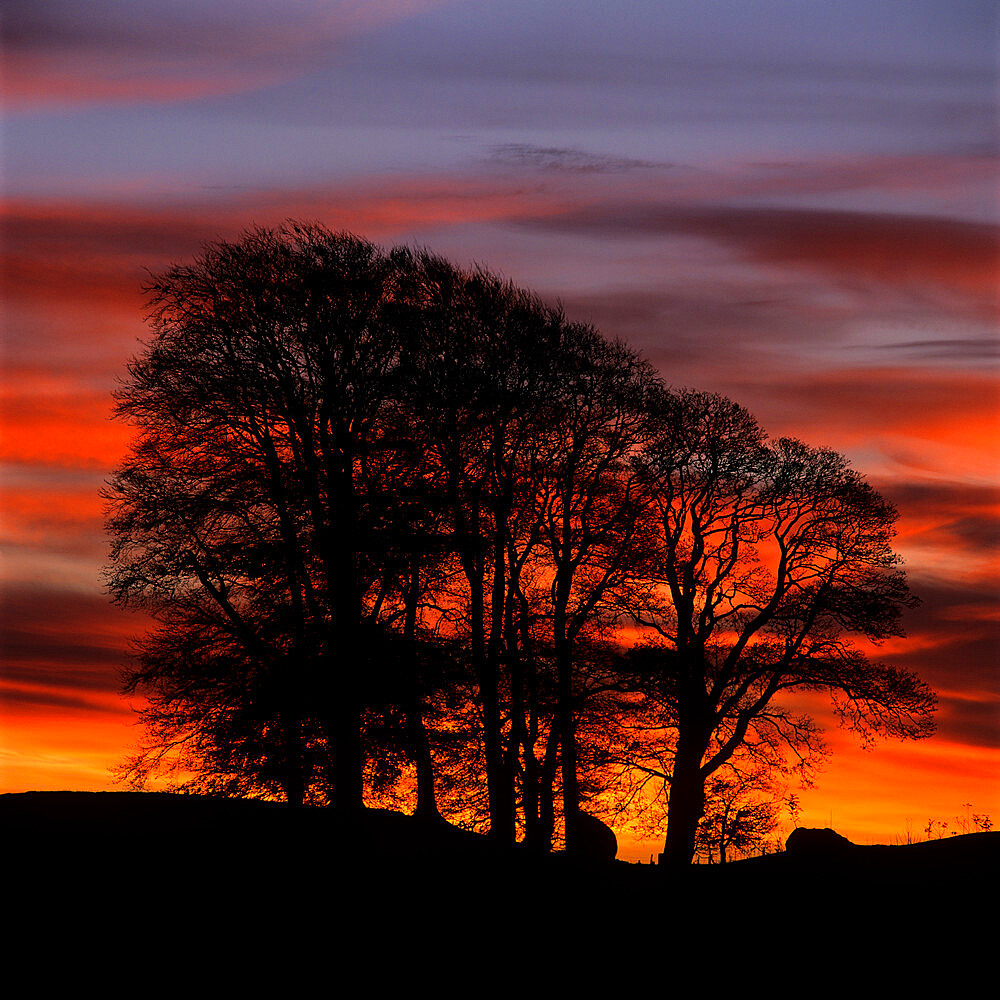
{"x":484,"y":661}
{"x":547,"y":781}
{"x":500,"y":773}
{"x":687,"y":801}
{"x":532,"y":826}
{"x":567,"y":739}
{"x":564,"y":668}
{"x":535,"y":836}
{"x":294,"y":779}
{"x":348,"y":759}
{"x":518,"y":737}
{"x":426,"y":798}
{"x":417,"y":732}
{"x":343,"y":660}
{"x":495,"y":778}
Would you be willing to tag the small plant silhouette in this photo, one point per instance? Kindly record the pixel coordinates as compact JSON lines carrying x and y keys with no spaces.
{"x":794,"y":806}
{"x":971,"y":822}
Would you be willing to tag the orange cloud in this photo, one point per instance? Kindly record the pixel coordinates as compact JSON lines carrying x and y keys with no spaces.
{"x":844,"y":406}
{"x":37,"y":81}
{"x":70,"y":430}
{"x":46,"y":240}
{"x":63,"y":648}
{"x":63,"y":516}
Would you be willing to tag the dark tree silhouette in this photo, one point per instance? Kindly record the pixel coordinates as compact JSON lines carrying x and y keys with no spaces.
{"x":482,"y":374}
{"x":246,"y":514}
{"x":738,"y":819}
{"x":386,"y":512}
{"x":766,"y":556}
{"x":590,"y":524}
{"x":322,"y":425}
{"x":528,"y":422}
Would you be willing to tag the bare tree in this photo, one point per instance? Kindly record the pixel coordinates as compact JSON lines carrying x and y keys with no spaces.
{"x":738,"y":820}
{"x":767,"y":556}
{"x":245,"y":513}
{"x":591,"y":500}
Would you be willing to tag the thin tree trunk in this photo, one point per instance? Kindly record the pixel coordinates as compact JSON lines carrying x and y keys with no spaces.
{"x":483,"y":665}
{"x":426,"y":798}
{"x":343,"y":661}
{"x":344,"y":726}
{"x":546,"y":798}
{"x":294,"y":779}
{"x":503,"y":822}
{"x":534,"y":832}
{"x":567,"y":735}
{"x":343,"y":666}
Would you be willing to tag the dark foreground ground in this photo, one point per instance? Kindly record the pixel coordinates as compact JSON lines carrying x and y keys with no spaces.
{"x":180,"y":872}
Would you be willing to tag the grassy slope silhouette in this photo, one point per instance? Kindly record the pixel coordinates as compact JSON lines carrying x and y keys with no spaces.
{"x":219,"y":895}
{"x":252,"y":889}
{"x":73,"y":833}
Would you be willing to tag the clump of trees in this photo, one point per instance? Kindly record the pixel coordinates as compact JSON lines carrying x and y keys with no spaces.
{"x":391,"y":515}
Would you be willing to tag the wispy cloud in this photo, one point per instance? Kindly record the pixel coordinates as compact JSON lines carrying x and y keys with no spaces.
{"x":882,"y":248}
{"x":62,"y":641}
{"x":969,"y":349}
{"x":558,"y":158}
{"x":62,"y":53}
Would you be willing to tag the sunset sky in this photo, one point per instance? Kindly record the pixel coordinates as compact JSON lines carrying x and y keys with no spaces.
{"x":792,"y":202}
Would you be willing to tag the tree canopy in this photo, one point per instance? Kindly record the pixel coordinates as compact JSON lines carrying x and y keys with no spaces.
{"x":391,"y":514}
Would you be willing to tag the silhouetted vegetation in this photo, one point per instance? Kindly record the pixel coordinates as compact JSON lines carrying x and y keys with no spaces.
{"x":248,"y":887}
{"x":390,"y":517}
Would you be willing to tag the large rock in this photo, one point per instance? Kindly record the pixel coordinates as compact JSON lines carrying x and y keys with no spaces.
{"x":591,"y":838}
{"x":807,"y":841}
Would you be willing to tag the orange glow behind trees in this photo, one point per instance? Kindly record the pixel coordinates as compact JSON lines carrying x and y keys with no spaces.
{"x":327,"y":431}
{"x":78,"y":274}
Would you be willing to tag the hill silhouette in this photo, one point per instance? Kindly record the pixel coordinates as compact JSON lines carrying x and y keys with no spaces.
{"x":193,"y":869}
{"x":65,"y":830}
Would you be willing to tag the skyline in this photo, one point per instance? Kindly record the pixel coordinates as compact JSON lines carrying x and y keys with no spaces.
{"x":790,"y":203}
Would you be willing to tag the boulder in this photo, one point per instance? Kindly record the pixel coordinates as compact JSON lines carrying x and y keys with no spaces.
{"x":810,"y":841}
{"x":592,"y":838}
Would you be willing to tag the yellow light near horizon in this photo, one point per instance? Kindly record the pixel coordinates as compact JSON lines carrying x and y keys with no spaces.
{"x":63,"y":749}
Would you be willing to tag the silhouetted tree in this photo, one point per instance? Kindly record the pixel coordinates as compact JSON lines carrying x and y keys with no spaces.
{"x":590,"y":505}
{"x":322,"y":425}
{"x":528,"y":422}
{"x":640,"y":736}
{"x":480,"y":377}
{"x":246,"y":509}
{"x":738,"y":819}
{"x":767,"y":556}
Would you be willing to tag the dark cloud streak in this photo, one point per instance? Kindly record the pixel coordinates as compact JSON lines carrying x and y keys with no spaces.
{"x":968,"y":349}
{"x":519,"y":154}
{"x":885,"y":248}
